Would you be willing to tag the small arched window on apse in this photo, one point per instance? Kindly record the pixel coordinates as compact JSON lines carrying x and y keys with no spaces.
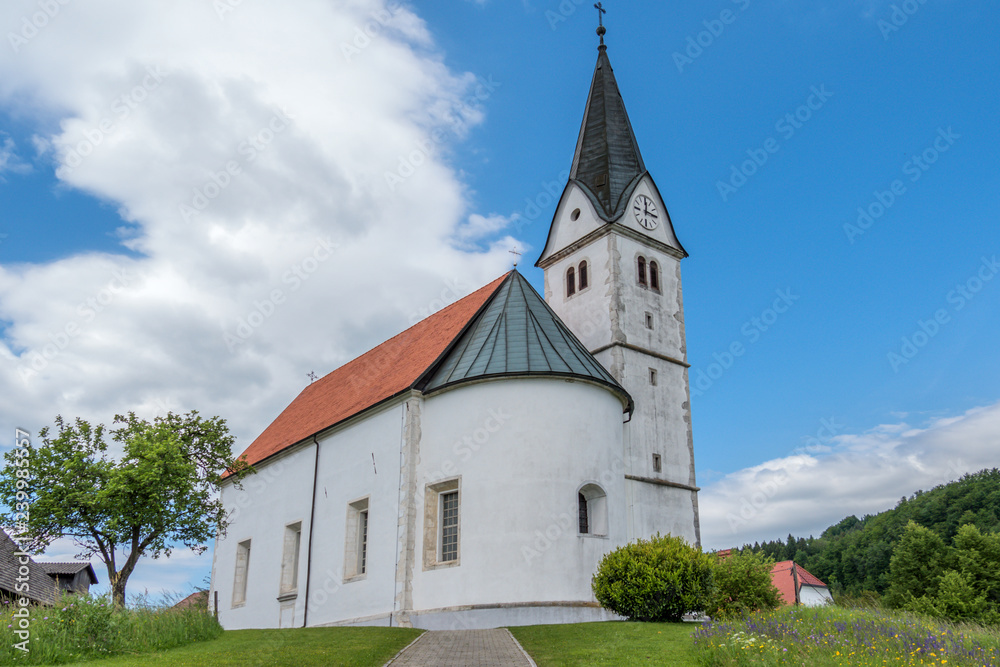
{"x":654,"y":276}
{"x":584,"y":276}
{"x":570,"y":281}
{"x":642,"y":271}
{"x":593,"y":510}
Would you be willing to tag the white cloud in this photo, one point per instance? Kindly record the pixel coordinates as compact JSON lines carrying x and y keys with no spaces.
{"x":276,"y":130}
{"x":867,"y":473}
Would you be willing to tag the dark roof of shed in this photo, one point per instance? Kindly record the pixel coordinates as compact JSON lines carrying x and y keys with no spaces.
{"x":69,"y":568}
{"x":607,"y":163}
{"x":517,"y":334}
{"x":41,"y":587}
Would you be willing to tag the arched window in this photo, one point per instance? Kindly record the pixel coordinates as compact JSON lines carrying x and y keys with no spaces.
{"x":593,"y":510}
{"x":584,"y":278}
{"x":570,"y":281}
{"x":654,"y":276}
{"x":642,"y":270}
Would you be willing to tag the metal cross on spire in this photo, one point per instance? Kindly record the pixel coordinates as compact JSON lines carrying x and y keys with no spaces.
{"x":517,"y":256}
{"x":601,"y":30}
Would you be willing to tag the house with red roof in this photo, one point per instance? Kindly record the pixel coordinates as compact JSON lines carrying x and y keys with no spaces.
{"x":472,"y":471}
{"x":798,"y":586}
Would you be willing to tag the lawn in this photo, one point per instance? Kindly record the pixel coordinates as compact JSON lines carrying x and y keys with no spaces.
{"x":613,"y":643}
{"x":319,"y":647}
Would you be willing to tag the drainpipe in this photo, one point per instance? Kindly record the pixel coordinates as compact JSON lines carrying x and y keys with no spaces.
{"x":309,"y":547}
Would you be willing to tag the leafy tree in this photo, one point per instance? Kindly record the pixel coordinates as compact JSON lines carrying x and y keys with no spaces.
{"x":659,"y":579}
{"x":742,"y":584}
{"x":160,"y":492}
{"x":917,"y":563}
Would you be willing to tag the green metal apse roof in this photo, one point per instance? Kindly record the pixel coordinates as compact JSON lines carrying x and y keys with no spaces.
{"x":515,"y":333}
{"x":607,"y":161}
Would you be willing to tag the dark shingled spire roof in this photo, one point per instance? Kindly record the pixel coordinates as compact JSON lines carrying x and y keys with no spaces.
{"x":607,"y":162}
{"x":517,"y":334}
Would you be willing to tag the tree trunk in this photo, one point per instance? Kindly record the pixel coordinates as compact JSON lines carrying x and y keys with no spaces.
{"x":118,"y":581}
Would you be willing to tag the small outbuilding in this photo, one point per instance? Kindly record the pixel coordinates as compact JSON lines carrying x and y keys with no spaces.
{"x":22,"y":576}
{"x":798,"y":586}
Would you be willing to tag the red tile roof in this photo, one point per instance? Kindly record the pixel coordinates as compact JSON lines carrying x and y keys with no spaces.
{"x":379,"y":374}
{"x":784,"y":581}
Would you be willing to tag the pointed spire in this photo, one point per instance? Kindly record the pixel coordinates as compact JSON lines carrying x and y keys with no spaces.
{"x":607,"y":160}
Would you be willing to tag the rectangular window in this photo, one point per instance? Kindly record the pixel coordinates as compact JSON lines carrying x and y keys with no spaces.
{"x":583,"y":514}
{"x":442,"y":524}
{"x":363,"y":540}
{"x":649,"y":320}
{"x":657,"y":463}
{"x":242,"y":569}
{"x":356,"y":542}
{"x":449,"y":526}
{"x":652,"y":376}
{"x":290,"y":558}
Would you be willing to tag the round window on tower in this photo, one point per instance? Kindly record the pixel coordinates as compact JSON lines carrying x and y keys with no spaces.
{"x":575,"y":215}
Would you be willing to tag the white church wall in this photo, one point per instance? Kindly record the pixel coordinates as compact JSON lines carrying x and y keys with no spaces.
{"x":522,"y":448}
{"x":565,"y":230}
{"x":270,"y":500}
{"x":358,"y":462}
{"x":665,"y":306}
{"x":587,"y":313}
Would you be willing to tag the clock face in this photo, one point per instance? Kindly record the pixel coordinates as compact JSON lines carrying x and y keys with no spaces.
{"x":645,"y":212}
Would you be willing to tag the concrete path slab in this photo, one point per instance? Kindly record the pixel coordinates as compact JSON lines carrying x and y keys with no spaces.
{"x":464,"y":648}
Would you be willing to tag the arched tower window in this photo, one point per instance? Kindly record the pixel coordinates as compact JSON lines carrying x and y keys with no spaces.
{"x":570,"y":281}
{"x":654,"y":276}
{"x":642,"y":270}
{"x":593,"y":510}
{"x":584,"y":277}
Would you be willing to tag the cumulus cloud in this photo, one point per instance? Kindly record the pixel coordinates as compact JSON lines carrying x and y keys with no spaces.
{"x":269,"y":229}
{"x":859,"y":474}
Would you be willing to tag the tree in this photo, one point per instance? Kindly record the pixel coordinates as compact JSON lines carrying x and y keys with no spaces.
{"x":162,"y":491}
{"x":743,"y":584}
{"x":659,"y":579}
{"x":917,"y":564}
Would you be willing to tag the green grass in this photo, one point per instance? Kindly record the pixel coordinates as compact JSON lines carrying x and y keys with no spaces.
{"x":613,"y":643}
{"x":319,"y":647}
{"x":89,"y":627}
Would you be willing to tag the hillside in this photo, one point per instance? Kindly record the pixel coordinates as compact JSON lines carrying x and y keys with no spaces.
{"x":853,"y":555}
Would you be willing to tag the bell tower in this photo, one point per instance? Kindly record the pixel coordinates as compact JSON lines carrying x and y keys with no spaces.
{"x":612,"y":266}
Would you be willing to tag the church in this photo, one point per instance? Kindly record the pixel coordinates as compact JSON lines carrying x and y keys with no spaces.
{"x":472,"y":471}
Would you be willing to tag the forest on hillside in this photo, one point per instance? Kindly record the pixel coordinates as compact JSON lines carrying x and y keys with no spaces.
{"x":854,"y":555}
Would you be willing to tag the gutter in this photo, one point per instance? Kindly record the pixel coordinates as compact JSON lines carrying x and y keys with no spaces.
{"x":309,"y":548}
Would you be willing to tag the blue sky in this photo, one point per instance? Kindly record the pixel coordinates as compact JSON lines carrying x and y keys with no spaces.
{"x":896,"y":115}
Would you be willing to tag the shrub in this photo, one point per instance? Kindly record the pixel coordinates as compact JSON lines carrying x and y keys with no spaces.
{"x":742,"y":584}
{"x":659,"y":579}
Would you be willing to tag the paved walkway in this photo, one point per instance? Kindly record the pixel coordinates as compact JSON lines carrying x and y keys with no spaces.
{"x":464,"y":648}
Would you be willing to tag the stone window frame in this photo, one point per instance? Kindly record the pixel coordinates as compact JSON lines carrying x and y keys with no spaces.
{"x":241,"y":573}
{"x":432,"y":523}
{"x":290,"y":551}
{"x":596,"y":510}
{"x":357,"y":553}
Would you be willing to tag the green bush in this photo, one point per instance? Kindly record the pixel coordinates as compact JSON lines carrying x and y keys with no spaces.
{"x":659,"y":579}
{"x":742,"y":584}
